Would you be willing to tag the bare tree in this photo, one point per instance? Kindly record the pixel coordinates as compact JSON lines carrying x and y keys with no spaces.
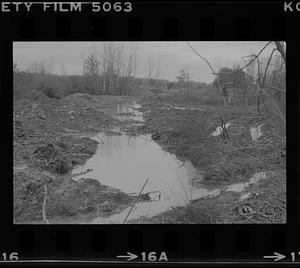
{"x":119,"y":63}
{"x":112,"y":63}
{"x":130,"y":68}
{"x":104,"y":67}
{"x":188,"y":77}
{"x":157,"y":71}
{"x":91,"y":71}
{"x":135,"y":52}
{"x":63,"y":70}
{"x":40,"y":67}
{"x":129,"y":64}
{"x":149,"y":67}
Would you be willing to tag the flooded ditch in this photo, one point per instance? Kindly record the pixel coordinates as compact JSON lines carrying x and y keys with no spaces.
{"x":125,"y":162}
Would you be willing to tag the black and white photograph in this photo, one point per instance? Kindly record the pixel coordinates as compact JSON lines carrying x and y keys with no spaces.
{"x":158,"y":132}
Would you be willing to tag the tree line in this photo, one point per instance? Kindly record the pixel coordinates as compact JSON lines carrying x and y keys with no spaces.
{"x":109,"y":69}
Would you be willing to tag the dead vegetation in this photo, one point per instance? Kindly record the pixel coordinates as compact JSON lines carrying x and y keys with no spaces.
{"x":61,"y":156}
{"x":265,"y":203}
{"x":46,"y":150}
{"x":232,"y":158}
{"x":182,"y":123}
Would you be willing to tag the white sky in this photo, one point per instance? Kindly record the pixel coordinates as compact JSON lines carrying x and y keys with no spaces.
{"x":172,"y":56}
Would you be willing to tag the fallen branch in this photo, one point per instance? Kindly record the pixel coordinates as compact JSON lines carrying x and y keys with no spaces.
{"x":135,"y":201}
{"x":147,"y":192}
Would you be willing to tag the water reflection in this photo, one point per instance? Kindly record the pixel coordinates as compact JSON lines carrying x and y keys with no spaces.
{"x":125,"y":162}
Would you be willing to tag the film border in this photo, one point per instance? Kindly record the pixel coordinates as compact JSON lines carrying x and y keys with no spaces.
{"x":157,"y":21}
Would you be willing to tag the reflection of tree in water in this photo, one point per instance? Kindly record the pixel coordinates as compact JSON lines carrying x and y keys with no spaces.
{"x":123,"y":161}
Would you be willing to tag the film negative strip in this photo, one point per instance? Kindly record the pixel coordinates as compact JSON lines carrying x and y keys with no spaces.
{"x":116,"y":104}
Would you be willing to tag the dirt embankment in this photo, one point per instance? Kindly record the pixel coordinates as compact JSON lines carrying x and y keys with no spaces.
{"x":45,"y":151}
{"x":185,"y":128}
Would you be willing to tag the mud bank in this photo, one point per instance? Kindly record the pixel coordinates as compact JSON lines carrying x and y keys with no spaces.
{"x":66,"y":200}
{"x":47,"y":145}
{"x":188,"y":134}
{"x":186,"y":131}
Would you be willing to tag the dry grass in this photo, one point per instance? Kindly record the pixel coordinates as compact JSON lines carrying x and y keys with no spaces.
{"x":224,"y":161}
{"x":268,"y":204}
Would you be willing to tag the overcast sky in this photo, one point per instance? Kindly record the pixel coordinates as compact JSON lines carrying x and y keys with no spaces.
{"x":172,"y":56}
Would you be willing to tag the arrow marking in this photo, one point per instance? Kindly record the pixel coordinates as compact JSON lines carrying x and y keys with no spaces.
{"x":129,"y":257}
{"x":276,"y":257}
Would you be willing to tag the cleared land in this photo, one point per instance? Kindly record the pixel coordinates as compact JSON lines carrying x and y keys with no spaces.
{"x":183,"y":124}
{"x":47,"y":146}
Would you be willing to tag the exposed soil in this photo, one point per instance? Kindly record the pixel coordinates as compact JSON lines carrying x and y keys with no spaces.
{"x":47,"y":148}
{"x":47,"y":145}
{"x":185,"y":127}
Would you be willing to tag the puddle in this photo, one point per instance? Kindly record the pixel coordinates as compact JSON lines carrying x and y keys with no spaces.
{"x":203,"y":192}
{"x":241,"y":186}
{"x":125,"y":162}
{"x":176,"y":107}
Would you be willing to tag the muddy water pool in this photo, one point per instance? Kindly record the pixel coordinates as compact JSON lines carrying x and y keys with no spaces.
{"x":125,"y":162}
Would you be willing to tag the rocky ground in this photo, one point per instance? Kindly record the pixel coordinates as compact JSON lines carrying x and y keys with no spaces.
{"x":46,"y":149}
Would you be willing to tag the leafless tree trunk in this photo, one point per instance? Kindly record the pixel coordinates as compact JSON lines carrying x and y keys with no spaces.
{"x":63,"y":70}
{"x":149,"y":67}
{"x":135,"y":52}
{"x":157,"y":71}
{"x":104,"y":67}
